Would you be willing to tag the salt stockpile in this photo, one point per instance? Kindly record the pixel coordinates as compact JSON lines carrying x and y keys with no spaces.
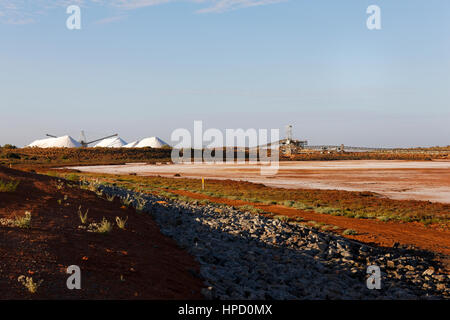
{"x":131,"y":144}
{"x":114,"y":142}
{"x":60,"y":142}
{"x":38,"y":143}
{"x":152,"y":142}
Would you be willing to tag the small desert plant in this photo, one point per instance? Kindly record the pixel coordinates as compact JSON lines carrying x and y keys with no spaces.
{"x":281,"y":218}
{"x":94,"y":185}
{"x":350,"y":214}
{"x":104,"y":227}
{"x":141,"y":203}
{"x":302,"y":206}
{"x":349,"y":232}
{"x":73,"y":177}
{"x":315,"y":224}
{"x":90,"y":185}
{"x":288,"y":203}
{"x":251,"y":209}
{"x":329,"y":227}
{"x":8,"y":186}
{"x":83,"y":217}
{"x":29,"y":283}
{"x":110,"y":198}
{"x":127,"y":201}
{"x":326,"y":210}
{"x":121,"y":222}
{"x":59,"y":185}
{"x":319,"y":225}
{"x":204,"y":202}
{"x":407,"y":219}
{"x":20,"y":222}
{"x":25,"y":221}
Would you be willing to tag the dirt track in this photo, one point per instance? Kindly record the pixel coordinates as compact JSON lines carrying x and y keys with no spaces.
{"x":396,"y":179}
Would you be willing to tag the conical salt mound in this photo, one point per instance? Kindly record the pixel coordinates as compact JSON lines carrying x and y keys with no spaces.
{"x":114,"y":142}
{"x":152,"y":142}
{"x":60,"y":142}
{"x":38,"y":143}
{"x":131,"y":144}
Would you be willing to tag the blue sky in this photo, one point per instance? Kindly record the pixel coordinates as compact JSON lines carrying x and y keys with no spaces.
{"x":146,"y":67}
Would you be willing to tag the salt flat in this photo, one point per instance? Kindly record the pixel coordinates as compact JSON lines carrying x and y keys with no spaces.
{"x":396,"y":179}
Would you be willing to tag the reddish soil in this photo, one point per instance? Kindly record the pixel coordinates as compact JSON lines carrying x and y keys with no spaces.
{"x":374,"y":232}
{"x":136,"y":263}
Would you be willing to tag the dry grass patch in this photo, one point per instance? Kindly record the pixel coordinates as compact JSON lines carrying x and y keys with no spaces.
{"x":8,"y":186}
{"x":18,"y":222}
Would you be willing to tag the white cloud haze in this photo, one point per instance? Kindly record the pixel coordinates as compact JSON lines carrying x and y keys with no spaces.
{"x":27,"y":11}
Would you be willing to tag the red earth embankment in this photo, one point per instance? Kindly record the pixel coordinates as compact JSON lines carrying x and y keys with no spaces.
{"x":135,"y":263}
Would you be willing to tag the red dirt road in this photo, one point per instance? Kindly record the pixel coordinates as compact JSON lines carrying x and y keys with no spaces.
{"x":136,"y":263}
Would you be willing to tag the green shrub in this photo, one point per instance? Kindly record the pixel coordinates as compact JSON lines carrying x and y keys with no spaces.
{"x":9,"y":146}
{"x":8,"y":186}
{"x":350,"y":214}
{"x":251,"y":209}
{"x":326,"y":210}
{"x":281,"y":218}
{"x":73,"y":177}
{"x":349,"y":232}
{"x":12,"y":155}
{"x":288,"y":203}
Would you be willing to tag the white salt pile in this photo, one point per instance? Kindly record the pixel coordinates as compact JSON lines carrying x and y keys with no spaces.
{"x":152,"y":142}
{"x":114,"y":142}
{"x":60,"y":142}
{"x":131,"y":144}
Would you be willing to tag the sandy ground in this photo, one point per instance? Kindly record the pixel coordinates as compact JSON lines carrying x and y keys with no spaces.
{"x":396,"y":179}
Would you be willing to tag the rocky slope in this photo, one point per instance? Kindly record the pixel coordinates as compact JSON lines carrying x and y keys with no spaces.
{"x":247,"y":256}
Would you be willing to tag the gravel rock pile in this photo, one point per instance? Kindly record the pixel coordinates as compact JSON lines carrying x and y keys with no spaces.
{"x":248,"y":256}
